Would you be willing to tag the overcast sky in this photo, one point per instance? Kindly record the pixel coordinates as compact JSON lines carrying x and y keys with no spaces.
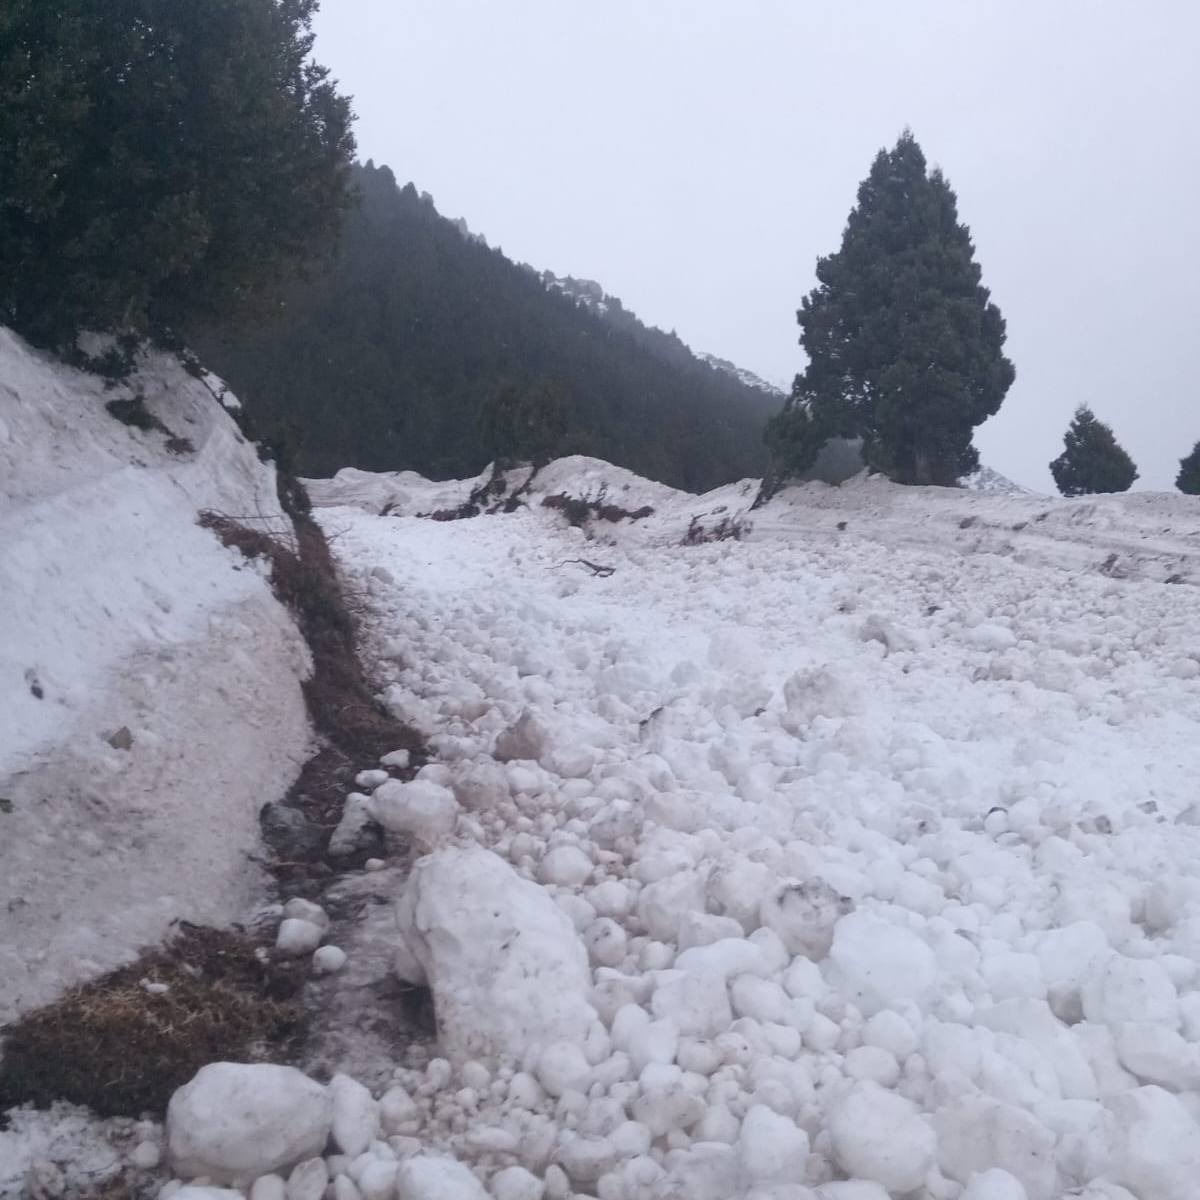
{"x":695,"y":156}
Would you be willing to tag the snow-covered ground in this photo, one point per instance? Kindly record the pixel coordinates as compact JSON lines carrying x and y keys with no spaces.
{"x":149,"y":682}
{"x":856,"y":855}
{"x":847,"y":859}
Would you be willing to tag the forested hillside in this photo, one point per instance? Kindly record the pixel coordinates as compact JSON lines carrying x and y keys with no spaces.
{"x":413,"y":343}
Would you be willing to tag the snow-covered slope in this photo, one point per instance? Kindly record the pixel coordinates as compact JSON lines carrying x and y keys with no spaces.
{"x":749,"y":378}
{"x":148,"y":679}
{"x":988,"y":480}
{"x":878,"y":828}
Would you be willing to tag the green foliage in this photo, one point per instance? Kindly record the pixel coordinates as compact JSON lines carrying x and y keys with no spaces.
{"x":904,"y":345}
{"x":1188,"y":479}
{"x":159,"y":159}
{"x":1092,"y":460}
{"x":417,"y":347}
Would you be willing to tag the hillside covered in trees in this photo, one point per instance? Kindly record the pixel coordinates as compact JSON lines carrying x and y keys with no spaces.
{"x":406,"y":347}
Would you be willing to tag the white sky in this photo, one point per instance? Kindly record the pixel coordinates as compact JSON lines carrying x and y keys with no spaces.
{"x":695,"y":156}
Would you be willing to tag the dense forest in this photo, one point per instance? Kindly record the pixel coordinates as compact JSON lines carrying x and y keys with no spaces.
{"x":398,"y":349}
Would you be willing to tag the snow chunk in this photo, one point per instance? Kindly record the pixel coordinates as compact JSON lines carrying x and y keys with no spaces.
{"x":328,"y":960}
{"x":995,"y":1184}
{"x":526,"y":739}
{"x":878,"y":964}
{"x":235,"y":1121}
{"x":1157,"y":1054}
{"x":516,"y":1183}
{"x":1130,"y":989}
{"x":428,"y":1178}
{"x":977,"y":1133}
{"x":1157,"y":1152}
{"x":880,"y":1136}
{"x":419,"y":809}
{"x":565,"y":866}
{"x":561,"y":1067}
{"x":771,"y":1148}
{"x":297,"y":936}
{"x":804,"y":915}
{"x":813,"y":693}
{"x":355,"y":1115}
{"x":507,"y":969}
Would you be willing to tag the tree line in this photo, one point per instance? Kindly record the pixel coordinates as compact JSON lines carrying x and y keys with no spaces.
{"x":905,"y":349}
{"x":415,"y":346}
{"x":184,"y":174}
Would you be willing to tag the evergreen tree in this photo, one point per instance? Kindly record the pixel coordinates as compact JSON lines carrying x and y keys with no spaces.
{"x":159,"y":159}
{"x":1188,"y":479}
{"x":1092,"y":461}
{"x":904,"y":345}
{"x":529,"y":424}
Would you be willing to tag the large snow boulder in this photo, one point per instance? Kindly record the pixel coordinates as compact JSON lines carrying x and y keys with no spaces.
{"x":507,"y":969}
{"x":978,"y":1133}
{"x":1157,"y":1150}
{"x":235,"y":1121}
{"x":879,"y":1135}
{"x":877,"y":964}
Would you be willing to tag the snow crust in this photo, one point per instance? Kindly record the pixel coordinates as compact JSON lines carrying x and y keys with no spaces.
{"x":149,"y":682}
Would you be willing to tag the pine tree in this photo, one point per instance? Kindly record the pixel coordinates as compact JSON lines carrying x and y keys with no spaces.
{"x":904,"y":345}
{"x":1188,"y":479}
{"x":159,"y":159}
{"x":1092,"y":461}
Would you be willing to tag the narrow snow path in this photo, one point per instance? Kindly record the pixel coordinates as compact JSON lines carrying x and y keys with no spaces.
{"x":879,"y":840}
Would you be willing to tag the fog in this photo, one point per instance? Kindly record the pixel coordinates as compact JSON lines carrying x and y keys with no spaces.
{"x":696,"y":156}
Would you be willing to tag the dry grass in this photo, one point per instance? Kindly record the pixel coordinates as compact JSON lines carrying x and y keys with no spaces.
{"x":121,"y":1044}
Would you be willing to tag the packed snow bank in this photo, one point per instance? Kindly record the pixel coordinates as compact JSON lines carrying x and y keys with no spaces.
{"x":148,"y":679}
{"x":878,"y":828}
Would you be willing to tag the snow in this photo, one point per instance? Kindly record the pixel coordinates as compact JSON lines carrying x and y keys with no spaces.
{"x":236,"y":1121}
{"x":875,"y":827}
{"x":149,"y":682}
{"x":507,"y":969}
{"x":419,"y":809}
{"x":297,"y":937}
{"x":850,"y":859}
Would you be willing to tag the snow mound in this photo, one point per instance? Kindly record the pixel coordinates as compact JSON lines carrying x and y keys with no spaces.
{"x":150,"y":682}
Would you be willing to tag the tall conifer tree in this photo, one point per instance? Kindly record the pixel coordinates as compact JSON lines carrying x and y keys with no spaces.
{"x":905,"y":347}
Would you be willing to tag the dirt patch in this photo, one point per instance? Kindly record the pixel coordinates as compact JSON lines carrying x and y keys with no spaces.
{"x":356,"y":730}
{"x":123,"y":1043}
